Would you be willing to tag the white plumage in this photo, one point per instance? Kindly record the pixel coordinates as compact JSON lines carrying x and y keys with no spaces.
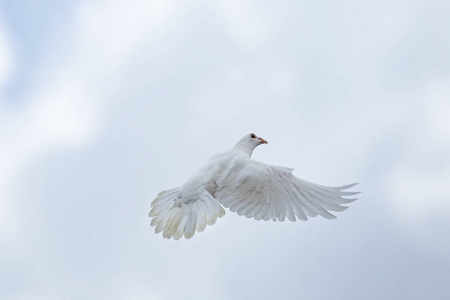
{"x":245,"y":186}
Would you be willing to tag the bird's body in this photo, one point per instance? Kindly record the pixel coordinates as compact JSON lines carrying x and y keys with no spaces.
{"x":246,"y":186}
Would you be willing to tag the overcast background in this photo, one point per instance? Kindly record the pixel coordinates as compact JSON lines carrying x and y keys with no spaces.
{"x":105,"y":103}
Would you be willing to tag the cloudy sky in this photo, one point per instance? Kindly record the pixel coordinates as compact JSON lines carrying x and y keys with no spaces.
{"x":105,"y":103}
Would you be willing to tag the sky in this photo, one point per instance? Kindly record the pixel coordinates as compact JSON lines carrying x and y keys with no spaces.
{"x":103,"y":104}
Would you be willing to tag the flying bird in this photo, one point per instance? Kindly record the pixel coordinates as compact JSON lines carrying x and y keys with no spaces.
{"x":246,"y":186}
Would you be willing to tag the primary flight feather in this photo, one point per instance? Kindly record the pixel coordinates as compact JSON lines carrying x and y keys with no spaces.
{"x":246,"y":186}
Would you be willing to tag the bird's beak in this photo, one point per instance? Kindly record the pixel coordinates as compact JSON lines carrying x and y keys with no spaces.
{"x":263,"y":141}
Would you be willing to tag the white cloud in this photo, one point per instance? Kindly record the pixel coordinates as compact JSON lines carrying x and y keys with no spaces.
{"x":107,"y":30}
{"x":138,"y":291}
{"x":64,"y":105}
{"x":57,"y":116}
{"x":247,"y":25}
{"x":7,"y":59}
{"x":418,"y":186}
{"x":7,"y":155}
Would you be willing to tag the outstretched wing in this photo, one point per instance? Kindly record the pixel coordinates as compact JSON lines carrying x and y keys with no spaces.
{"x":267,"y":192}
{"x":186,"y":218}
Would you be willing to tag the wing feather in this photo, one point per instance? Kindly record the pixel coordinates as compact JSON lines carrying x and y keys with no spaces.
{"x":266,"y":192}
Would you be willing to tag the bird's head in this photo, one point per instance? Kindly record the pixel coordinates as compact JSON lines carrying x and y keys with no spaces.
{"x":249,"y":142}
{"x":256,"y":140}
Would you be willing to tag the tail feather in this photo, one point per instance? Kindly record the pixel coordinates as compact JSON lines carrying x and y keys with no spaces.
{"x":189,"y":230}
{"x":178,"y":221}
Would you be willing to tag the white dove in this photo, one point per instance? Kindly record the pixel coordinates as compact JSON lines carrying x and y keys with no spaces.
{"x":246,"y":186}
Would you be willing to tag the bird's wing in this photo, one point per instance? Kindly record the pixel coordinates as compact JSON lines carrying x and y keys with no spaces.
{"x":175,"y":220}
{"x":267,"y":192}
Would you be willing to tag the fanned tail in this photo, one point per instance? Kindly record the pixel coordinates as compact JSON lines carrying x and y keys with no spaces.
{"x":177,"y":221}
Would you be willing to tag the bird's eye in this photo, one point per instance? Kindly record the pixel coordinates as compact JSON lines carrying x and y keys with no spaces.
{"x":252,"y":135}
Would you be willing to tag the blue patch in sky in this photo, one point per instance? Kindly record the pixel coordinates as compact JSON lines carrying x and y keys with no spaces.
{"x":31,"y":27}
